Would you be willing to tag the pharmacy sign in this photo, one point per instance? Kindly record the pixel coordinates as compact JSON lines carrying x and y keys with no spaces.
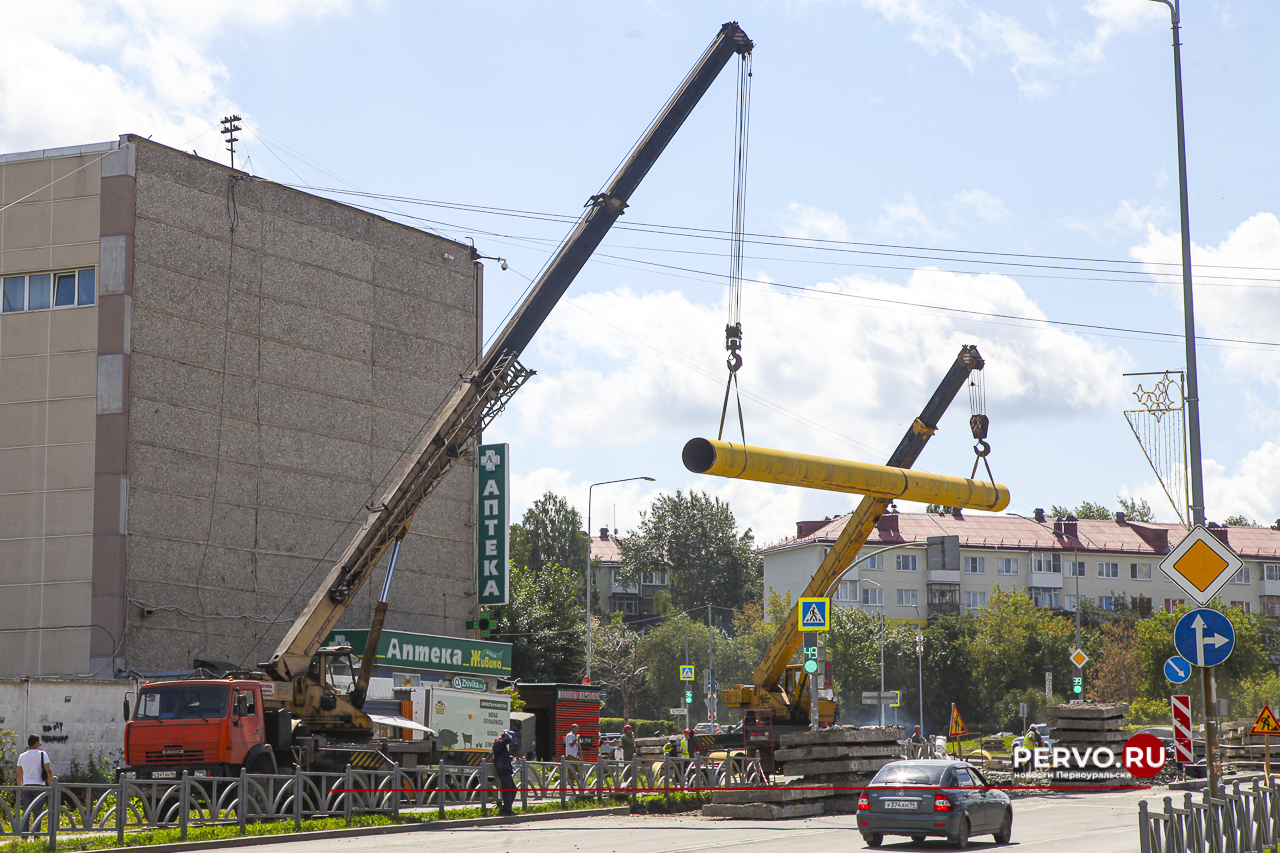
{"x":493,"y":567}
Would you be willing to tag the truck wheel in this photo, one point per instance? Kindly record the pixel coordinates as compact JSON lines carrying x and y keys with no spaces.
{"x":263,"y":765}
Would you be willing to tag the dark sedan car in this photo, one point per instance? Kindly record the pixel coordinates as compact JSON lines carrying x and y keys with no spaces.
{"x":923,"y":798}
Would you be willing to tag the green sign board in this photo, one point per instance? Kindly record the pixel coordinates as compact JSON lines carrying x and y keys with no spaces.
{"x":493,"y":569}
{"x":403,"y":650}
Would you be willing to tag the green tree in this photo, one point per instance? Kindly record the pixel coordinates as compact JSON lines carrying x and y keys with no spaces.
{"x":544,"y":624}
{"x":618,"y":664}
{"x":550,"y":532}
{"x":694,"y":539}
{"x":1136,"y":509}
{"x":1087,"y":509}
{"x":1240,"y":521}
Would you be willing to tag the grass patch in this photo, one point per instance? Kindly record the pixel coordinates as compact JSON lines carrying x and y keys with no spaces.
{"x":148,"y":837}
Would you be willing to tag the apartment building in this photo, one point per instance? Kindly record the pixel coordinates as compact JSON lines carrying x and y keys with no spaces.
{"x":915,"y":565}
{"x":204,"y":376}
{"x":633,"y":601}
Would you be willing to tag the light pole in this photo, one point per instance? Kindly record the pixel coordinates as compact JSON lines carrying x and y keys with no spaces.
{"x":1193,"y":385}
{"x":588,"y":608}
{"x":920,"y":664}
{"x":881,"y":702}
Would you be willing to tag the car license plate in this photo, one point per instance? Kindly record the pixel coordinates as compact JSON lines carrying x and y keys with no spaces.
{"x":909,"y":805}
{"x":164,"y":774}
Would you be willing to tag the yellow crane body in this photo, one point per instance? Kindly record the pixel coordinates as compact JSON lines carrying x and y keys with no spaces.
{"x":779,"y":688}
{"x":744,"y":462}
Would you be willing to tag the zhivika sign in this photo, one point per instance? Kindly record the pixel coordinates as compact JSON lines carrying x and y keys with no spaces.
{"x":1204,"y":637}
{"x":1201,"y":565}
{"x":430,"y":653}
{"x":493,"y":570}
{"x":814,"y":614}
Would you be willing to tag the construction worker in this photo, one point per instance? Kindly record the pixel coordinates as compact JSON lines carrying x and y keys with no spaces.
{"x":687,"y":748}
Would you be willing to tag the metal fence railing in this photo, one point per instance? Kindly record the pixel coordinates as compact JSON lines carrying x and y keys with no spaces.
{"x":1234,"y":820}
{"x":130,"y":804}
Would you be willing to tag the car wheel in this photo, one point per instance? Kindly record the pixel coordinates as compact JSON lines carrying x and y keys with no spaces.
{"x":1006,"y":829}
{"x":873,"y":839}
{"x":961,"y":839}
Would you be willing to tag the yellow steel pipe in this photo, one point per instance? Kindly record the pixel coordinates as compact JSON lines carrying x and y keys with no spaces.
{"x":744,"y":462}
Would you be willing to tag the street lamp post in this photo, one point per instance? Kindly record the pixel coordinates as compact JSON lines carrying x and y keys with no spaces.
{"x":881,"y":702}
{"x":920,"y":664}
{"x":1193,"y":386}
{"x":588,"y":608}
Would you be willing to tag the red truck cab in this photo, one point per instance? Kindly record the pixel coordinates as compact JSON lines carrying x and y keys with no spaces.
{"x":205,"y":726}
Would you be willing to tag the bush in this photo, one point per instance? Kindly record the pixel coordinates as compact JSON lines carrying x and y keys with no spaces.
{"x":643,"y":728}
{"x":1149,"y":712}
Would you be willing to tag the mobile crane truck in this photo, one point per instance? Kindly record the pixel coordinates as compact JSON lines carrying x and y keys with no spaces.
{"x":287,"y":711}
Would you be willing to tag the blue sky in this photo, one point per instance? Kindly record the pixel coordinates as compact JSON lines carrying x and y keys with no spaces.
{"x":984,"y":126}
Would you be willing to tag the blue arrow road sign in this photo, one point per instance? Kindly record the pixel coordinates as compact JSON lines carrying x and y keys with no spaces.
{"x":1177,"y":669}
{"x":1204,"y":637}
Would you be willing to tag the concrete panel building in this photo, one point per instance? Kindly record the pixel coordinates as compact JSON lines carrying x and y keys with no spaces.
{"x":204,"y":377}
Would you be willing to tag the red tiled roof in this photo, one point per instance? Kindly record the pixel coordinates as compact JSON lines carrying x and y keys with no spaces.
{"x":605,"y":550}
{"x":1010,"y":531}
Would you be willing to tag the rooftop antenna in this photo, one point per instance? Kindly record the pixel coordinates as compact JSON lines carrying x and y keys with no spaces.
{"x":229,"y":128}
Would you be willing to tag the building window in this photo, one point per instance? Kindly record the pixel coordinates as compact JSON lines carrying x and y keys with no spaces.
{"x":872,"y":596}
{"x":1241,"y":576}
{"x":908,"y":598}
{"x":1106,"y":602}
{"x":42,"y":291}
{"x":1045,"y":596}
{"x":1047,"y":563}
{"x":1108,"y":570}
{"x":658,"y":578}
{"x":906,"y":562}
{"x":1271,"y":606}
{"x":1073,"y":570}
{"x":1271,"y":571}
{"x":1140,"y":571}
{"x":1244,"y":606}
{"x":1140,"y":605}
{"x":1007,"y":566}
{"x":876,"y":563}
{"x":1172,"y":604}
{"x":975,"y":565}
{"x":630,"y":607}
{"x":974,"y":600}
{"x":1070,"y":602}
{"x":845,"y":591}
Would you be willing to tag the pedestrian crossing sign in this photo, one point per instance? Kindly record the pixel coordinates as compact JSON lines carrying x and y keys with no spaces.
{"x":686,"y":673}
{"x":815,"y":614}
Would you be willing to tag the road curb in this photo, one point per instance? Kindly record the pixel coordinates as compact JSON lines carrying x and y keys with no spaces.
{"x":358,"y":831}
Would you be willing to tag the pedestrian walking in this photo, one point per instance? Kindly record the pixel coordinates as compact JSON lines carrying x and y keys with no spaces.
{"x":505,"y":769}
{"x":572,"y":744}
{"x":34,"y":775}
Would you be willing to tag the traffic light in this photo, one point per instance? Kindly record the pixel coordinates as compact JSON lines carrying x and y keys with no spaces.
{"x":688,"y":697}
{"x":1077,"y":684}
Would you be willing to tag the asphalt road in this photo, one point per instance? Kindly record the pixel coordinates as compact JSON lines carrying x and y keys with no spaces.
{"x":1090,"y":823}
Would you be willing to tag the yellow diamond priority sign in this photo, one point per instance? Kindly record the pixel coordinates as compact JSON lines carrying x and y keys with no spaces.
{"x":1201,"y":565}
{"x":1079,"y":658}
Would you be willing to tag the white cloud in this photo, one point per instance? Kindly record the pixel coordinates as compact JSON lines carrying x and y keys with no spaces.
{"x":627,"y":499}
{"x":981,"y":204}
{"x":631,"y":368}
{"x":1129,"y":216}
{"x":1253,"y":490}
{"x":73,"y":72}
{"x":973,"y":32}
{"x":802,"y":221}
{"x":1236,"y":310}
{"x":906,"y":218}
